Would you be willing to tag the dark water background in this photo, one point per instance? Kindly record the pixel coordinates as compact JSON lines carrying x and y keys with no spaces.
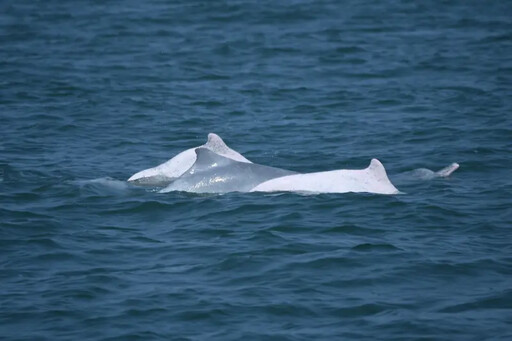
{"x":93,"y":90}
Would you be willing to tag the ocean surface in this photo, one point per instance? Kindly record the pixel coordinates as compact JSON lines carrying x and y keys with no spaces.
{"x":94,"y":91}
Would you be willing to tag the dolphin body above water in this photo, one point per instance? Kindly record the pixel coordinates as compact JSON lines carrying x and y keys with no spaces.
{"x":214,"y":173}
{"x":172,"y":169}
{"x":372,"y":179}
{"x":216,"y":168}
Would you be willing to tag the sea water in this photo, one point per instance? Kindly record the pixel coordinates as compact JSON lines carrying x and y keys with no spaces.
{"x":92,"y":92}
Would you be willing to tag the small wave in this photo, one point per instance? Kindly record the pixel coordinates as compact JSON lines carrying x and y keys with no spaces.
{"x":500,"y":301}
{"x":7,"y":173}
{"x":375,"y":247}
{"x":103,"y":186}
{"x":104,"y":182}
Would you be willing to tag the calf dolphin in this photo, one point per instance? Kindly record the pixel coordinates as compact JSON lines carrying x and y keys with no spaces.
{"x":214,"y":173}
{"x":372,"y":179}
{"x":168,"y":171}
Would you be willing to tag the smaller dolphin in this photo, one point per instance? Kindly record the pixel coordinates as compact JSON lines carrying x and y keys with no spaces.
{"x":167,"y":172}
{"x":214,"y":173}
{"x":372,"y":179}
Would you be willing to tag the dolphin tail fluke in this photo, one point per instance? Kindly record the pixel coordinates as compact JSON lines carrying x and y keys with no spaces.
{"x":448,"y":170}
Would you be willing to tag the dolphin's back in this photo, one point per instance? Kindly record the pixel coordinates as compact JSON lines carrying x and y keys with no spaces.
{"x":213,"y":173}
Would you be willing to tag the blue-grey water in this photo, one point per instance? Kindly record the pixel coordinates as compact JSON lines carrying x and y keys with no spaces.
{"x":94,"y":91}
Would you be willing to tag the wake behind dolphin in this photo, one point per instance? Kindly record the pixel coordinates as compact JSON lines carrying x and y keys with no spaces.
{"x":216,"y":168}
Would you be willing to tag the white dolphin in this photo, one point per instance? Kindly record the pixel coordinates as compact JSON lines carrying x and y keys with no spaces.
{"x":168,"y":171}
{"x":372,"y":179}
{"x":214,"y":173}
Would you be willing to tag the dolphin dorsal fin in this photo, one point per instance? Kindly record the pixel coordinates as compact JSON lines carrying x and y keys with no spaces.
{"x":206,"y":159}
{"x":215,"y":143}
{"x":377,"y":169}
